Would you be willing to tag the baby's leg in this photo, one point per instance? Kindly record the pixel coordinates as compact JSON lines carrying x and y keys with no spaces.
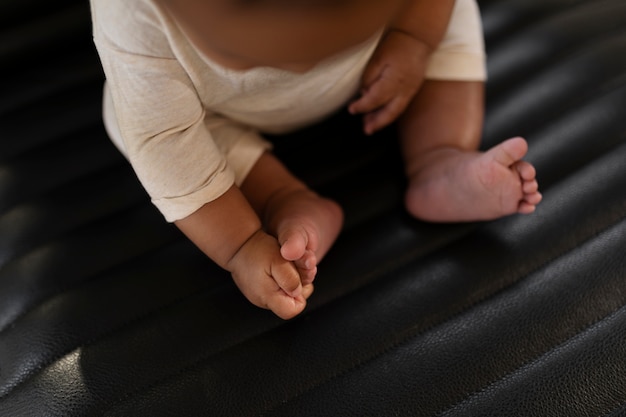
{"x":449,"y":180}
{"x":305,"y":224}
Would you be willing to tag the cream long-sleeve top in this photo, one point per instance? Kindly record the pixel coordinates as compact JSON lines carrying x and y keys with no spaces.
{"x":191,"y":128}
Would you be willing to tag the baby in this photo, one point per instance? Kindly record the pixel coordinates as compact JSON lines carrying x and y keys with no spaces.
{"x":190,"y":83}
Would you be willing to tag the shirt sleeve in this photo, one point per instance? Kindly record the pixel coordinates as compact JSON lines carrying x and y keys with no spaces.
{"x":461,"y":54}
{"x":179,"y":152}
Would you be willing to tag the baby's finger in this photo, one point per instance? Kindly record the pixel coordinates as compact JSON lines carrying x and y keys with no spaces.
{"x":384,"y":116}
{"x":378,"y":95}
{"x":286,"y":307}
{"x":287,"y":278}
{"x":373,"y":72}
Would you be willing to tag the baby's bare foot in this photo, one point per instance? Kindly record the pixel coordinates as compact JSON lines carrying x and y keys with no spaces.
{"x":466,"y":186}
{"x":306,"y":225}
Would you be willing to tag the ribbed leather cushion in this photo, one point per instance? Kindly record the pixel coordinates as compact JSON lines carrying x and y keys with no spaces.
{"x":107,"y":310}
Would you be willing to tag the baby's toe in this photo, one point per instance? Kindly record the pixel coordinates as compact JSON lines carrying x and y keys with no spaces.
{"x":307,"y":291}
{"x":306,"y":261}
{"x":307,"y":267}
{"x":530,"y":187}
{"x":526,"y":171}
{"x":526,"y":208}
{"x":307,"y":276}
{"x":508,"y":152}
{"x":293,"y":242}
{"x":533,"y":198}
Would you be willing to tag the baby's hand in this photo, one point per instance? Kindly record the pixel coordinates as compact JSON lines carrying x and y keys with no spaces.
{"x":266,"y":279}
{"x":391,"y":79}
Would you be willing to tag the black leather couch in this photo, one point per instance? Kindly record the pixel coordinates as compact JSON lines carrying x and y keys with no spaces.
{"x":107,"y":310}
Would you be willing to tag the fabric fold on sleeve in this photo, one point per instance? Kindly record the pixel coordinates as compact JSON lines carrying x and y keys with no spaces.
{"x":183,"y":157}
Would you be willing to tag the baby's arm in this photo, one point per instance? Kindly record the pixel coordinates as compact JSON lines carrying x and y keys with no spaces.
{"x":229,"y":232}
{"x":178,"y":149}
{"x":425,"y":21}
{"x":396,"y":71}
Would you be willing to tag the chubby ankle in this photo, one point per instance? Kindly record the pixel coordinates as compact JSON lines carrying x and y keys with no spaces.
{"x":279,"y":196}
{"x":420,"y":166}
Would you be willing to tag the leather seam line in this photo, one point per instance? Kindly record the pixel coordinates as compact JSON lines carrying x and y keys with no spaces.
{"x":402,"y":340}
{"x":60,"y":290}
{"x":577,"y":336}
{"x":393,"y":345}
{"x":91,"y":341}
